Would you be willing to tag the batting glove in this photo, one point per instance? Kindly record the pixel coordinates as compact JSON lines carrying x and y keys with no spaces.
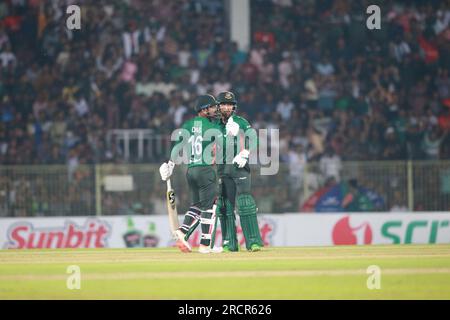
{"x":232,"y":127}
{"x":241,"y":159}
{"x":166,"y":169}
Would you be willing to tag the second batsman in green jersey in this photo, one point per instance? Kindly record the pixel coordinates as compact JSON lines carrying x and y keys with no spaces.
{"x":239,"y":141}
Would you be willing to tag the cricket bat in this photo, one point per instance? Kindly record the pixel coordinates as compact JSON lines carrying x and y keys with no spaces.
{"x":172,"y":208}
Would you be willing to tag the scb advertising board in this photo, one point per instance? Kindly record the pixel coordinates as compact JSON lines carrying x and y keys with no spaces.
{"x":292,"y":229}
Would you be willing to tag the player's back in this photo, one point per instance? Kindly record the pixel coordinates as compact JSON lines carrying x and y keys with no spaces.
{"x":201,"y":133}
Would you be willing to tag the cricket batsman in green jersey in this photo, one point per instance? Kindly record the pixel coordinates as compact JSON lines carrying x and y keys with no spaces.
{"x":196,"y":139}
{"x":239,"y":140}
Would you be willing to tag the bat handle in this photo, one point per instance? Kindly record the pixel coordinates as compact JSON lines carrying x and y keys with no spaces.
{"x":169,"y":184}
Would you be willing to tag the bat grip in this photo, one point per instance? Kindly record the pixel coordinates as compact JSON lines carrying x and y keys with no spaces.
{"x":169,"y":184}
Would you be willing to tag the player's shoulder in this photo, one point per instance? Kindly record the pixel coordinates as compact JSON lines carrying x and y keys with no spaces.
{"x":191,"y":121}
{"x":241,"y":121}
{"x":186,"y":123}
{"x":239,"y":118}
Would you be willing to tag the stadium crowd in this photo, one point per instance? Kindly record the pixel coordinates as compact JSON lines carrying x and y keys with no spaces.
{"x":314,"y":69}
{"x":336,"y":90}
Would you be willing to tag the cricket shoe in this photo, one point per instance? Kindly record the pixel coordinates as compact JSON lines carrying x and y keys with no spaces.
{"x":206,"y":249}
{"x":255,"y":248}
{"x":227,"y":248}
{"x":181,"y":243}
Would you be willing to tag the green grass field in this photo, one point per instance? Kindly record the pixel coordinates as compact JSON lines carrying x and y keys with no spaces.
{"x":407,"y":272}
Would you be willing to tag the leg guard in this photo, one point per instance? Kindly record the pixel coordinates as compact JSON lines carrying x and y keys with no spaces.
{"x":227,"y":219}
{"x":208,"y":224}
{"x":247,"y":211}
{"x":190,"y":222}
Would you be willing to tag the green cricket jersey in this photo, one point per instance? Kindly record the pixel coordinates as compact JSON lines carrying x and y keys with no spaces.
{"x":197,"y":139}
{"x":246,"y":139}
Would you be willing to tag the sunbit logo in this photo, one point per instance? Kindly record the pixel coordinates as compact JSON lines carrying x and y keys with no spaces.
{"x":24,"y":235}
{"x":344,"y":234}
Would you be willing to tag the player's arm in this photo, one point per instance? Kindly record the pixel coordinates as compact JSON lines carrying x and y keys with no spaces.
{"x":179,"y":139}
{"x":249,"y":142}
{"x":251,"y":137}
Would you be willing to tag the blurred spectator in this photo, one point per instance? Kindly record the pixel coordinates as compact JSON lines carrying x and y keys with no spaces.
{"x":297,"y":161}
{"x":7,"y":57}
{"x":330,"y":165}
{"x":398,"y":204}
{"x":285,"y":107}
{"x":324,"y":67}
{"x":393,"y":150}
{"x":431,"y":144}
